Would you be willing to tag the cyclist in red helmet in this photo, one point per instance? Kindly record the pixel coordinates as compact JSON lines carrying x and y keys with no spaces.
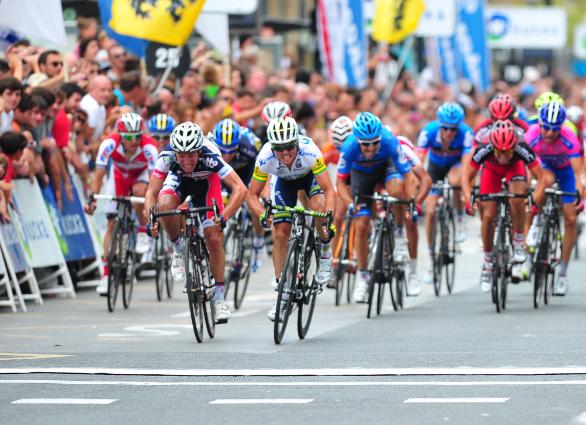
{"x":502,"y":154}
{"x":501,"y":107}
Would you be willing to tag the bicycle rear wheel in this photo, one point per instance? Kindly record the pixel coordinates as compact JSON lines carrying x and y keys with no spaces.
{"x":342,"y":269}
{"x":244,"y":260}
{"x":449,"y":261}
{"x":309,"y":287}
{"x":129,"y":274}
{"x":115,"y":270}
{"x":194,"y":296}
{"x":436,"y":246}
{"x":286,"y":291}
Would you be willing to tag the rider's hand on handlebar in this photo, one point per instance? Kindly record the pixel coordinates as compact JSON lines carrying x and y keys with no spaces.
{"x":90,"y":207}
{"x":470,"y":208}
{"x":265,"y":221}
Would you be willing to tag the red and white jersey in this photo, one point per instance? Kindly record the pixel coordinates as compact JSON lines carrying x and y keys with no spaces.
{"x":143,"y":159}
{"x":409,"y":151}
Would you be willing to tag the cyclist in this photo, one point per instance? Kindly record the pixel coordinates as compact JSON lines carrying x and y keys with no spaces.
{"x":558,"y":149}
{"x":160,"y":128}
{"x":503,"y":154}
{"x":193,"y":166}
{"x":371,"y":156}
{"x":295,"y":163}
{"x":271,"y":111}
{"x":133,"y":156}
{"x":501,"y":107}
{"x":575,"y":115}
{"x":239,"y":147}
{"x":449,"y":141}
{"x":411,"y":187}
{"x":542,"y":99}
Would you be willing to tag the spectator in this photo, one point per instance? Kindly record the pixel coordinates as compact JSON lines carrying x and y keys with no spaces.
{"x":189,"y":91}
{"x":10,"y":94}
{"x":4,"y":216}
{"x":50,"y":73}
{"x":116,"y":56}
{"x":167,"y":100}
{"x":132,"y":91}
{"x":12,"y":144}
{"x":89,"y":48}
{"x":99,"y":91}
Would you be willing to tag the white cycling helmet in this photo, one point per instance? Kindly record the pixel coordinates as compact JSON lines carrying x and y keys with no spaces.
{"x":130,"y":123}
{"x":575,"y":113}
{"x":282,"y":131}
{"x":274,"y":110}
{"x":187,"y":137}
{"x":340,"y":129}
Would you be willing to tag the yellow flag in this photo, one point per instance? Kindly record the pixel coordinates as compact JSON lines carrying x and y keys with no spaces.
{"x":394,"y":20}
{"x":165,"y":21}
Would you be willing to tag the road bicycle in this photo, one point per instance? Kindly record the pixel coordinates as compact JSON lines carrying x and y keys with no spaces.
{"x":297,"y":284}
{"x":344,"y":256}
{"x":199,"y":283}
{"x":121,"y":255}
{"x":443,"y":236}
{"x":384,"y":269}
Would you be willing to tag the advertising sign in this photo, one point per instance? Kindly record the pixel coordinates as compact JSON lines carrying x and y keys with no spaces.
{"x":580,"y":42}
{"x":14,"y":251}
{"x":471,"y":42}
{"x":527,"y":27}
{"x":438,"y":19}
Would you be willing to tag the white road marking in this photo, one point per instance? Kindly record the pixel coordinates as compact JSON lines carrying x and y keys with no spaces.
{"x":458,"y":400}
{"x":580,"y":419}
{"x":239,"y":313}
{"x":262,"y":401}
{"x":64,"y":401}
{"x":300,"y":383}
{"x":458,"y":371}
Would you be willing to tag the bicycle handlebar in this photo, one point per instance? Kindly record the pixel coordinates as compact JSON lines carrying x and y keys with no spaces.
{"x":269,"y":206}
{"x":129,"y":199}
{"x":389,"y":201}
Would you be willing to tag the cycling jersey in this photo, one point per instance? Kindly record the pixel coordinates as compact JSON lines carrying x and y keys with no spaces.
{"x":409,"y":151}
{"x":144,"y":158}
{"x":309,"y":159}
{"x":487,"y":125}
{"x":521,"y":152}
{"x":554,"y":155}
{"x":245,"y":155}
{"x":430,"y":140}
{"x":389,"y":153}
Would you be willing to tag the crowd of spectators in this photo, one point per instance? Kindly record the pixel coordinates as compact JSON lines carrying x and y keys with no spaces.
{"x":56,"y":107}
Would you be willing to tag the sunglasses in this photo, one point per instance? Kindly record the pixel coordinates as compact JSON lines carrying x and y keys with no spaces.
{"x":56,"y":63}
{"x":283,"y":148}
{"x":548,"y":127}
{"x":367,"y":144}
{"x":130,"y":137}
{"x":499,"y":152}
{"x":450,"y":129}
{"x":120,"y":55}
{"x":160,"y":137}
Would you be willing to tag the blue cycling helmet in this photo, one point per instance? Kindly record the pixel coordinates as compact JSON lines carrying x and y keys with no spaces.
{"x":450,"y":114}
{"x":552,"y":114}
{"x":227,"y":135}
{"x":162,"y":124}
{"x":367,"y":126}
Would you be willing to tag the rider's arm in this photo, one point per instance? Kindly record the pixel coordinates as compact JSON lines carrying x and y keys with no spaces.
{"x":150,"y":197}
{"x":324,"y":182}
{"x":539,"y":192}
{"x":98,"y":178}
{"x":424,"y":182}
{"x":237,"y":195}
{"x":469,"y":174}
{"x":577,"y":165}
{"x":253,"y":199}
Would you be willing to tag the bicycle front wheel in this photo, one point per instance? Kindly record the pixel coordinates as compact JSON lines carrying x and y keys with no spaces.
{"x":540,"y":268}
{"x":194,"y":295}
{"x":159,"y":267}
{"x":244,"y":260}
{"x":436,"y":253}
{"x":207,"y":287}
{"x":449,"y":250}
{"x":343,"y":258}
{"x":115,"y":260}
{"x":286,"y":291}
{"x":308,"y":286}
{"x":129,"y":266}
{"x":397,"y":287}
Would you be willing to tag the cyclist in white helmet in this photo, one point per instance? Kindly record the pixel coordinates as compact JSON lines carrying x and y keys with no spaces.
{"x":193,"y":165}
{"x":295,"y":164}
{"x":271,"y":111}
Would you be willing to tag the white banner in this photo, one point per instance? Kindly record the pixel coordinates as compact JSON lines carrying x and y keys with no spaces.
{"x":41,"y":21}
{"x":213,"y":27}
{"x":34,"y":226}
{"x":527,"y":27}
{"x":580,"y":41}
{"x":438,"y":20}
{"x":240,"y":7}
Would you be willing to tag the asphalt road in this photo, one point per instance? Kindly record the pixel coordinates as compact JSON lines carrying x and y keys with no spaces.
{"x":451,"y":359}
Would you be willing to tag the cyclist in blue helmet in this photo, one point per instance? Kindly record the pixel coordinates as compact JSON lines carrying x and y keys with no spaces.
{"x":370,"y":156}
{"x":448,"y":141}
{"x":160,"y":128}
{"x":239,"y":147}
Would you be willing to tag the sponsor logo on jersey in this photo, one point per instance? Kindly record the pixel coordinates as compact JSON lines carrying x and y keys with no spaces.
{"x":210,"y":162}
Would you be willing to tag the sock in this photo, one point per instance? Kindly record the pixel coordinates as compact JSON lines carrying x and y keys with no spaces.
{"x":488,"y":258}
{"x":364,"y":274}
{"x":326,"y":250}
{"x":413,"y":265}
{"x":141,"y":228}
{"x":518,"y":238}
{"x":460,"y":217}
{"x":178,"y":245}
{"x":106,"y":269}
{"x":258,"y":242}
{"x":399,"y":231}
{"x":219,"y":292}
{"x":563,"y":268}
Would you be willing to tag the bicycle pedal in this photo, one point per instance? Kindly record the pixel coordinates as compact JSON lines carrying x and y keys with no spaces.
{"x":221,"y":322}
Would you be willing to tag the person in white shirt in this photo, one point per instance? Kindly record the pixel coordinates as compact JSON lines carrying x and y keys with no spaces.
{"x":99,"y":92}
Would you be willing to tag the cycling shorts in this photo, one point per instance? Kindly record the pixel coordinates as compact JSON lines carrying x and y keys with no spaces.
{"x":202,"y":193}
{"x":118,"y":185}
{"x":285,"y":193}
{"x":365,"y":184}
{"x":438,"y":173}
{"x":566,"y":180}
{"x":492,"y":174}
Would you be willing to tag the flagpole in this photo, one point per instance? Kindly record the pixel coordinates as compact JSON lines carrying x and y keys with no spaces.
{"x":166,"y":73}
{"x":400,"y":63}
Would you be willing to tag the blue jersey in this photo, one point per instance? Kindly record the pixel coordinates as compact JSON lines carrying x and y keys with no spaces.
{"x":352,"y":158}
{"x":430,"y":140}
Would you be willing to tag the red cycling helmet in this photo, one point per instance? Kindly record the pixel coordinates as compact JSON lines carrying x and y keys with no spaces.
{"x":502,"y":107}
{"x":130,"y":123}
{"x":503,"y":135}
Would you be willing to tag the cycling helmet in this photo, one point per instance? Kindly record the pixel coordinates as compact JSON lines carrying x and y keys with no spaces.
{"x":340,"y":129}
{"x":450,"y":114}
{"x":502,"y":107}
{"x":227,"y":135}
{"x":575,"y":113}
{"x":367,"y":126}
{"x":161,"y":124}
{"x":187,"y":137}
{"x":282,"y":131}
{"x":130,"y":123}
{"x":503,"y":135}
{"x":273,"y":110}
{"x":547,"y":97}
{"x":552,"y":114}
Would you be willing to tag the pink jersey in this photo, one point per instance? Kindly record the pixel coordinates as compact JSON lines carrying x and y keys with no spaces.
{"x":144,"y":158}
{"x":554,"y":155}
